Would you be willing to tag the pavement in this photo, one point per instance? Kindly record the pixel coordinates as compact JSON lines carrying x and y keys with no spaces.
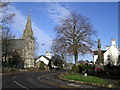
{"x":67,"y":84}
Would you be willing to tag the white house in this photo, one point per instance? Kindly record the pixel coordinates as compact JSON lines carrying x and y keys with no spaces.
{"x":49,"y":55}
{"x":110,"y":54}
{"x":44,"y":59}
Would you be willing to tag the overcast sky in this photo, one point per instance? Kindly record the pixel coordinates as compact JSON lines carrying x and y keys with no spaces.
{"x":45,"y":16}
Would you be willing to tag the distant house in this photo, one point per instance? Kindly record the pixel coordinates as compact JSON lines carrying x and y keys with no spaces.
{"x":44,"y":59}
{"x":111,"y":55}
{"x":85,"y":62}
{"x":49,"y":55}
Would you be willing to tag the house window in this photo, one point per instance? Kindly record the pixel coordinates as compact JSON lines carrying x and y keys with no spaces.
{"x":108,"y":57}
{"x":119,"y":57}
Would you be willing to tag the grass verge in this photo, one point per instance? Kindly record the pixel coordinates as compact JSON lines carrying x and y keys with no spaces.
{"x":88,"y":79}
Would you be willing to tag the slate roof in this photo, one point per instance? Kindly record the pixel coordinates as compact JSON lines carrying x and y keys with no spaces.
{"x":16,"y":43}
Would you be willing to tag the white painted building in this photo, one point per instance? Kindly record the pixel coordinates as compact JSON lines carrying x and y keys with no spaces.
{"x":44,"y":59}
{"x":49,"y":55}
{"x":110,"y":54}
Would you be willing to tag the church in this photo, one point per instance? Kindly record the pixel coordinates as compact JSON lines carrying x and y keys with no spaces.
{"x":28,"y":50}
{"x":25,"y":46}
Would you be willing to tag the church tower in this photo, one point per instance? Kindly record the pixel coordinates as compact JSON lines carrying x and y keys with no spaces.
{"x":28,"y":52}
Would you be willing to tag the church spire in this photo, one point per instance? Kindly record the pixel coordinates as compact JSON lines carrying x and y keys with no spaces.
{"x":28,"y":29}
{"x":29,"y":25}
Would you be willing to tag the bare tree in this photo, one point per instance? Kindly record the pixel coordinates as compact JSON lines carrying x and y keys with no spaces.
{"x":57,"y":61}
{"x":35,"y":47}
{"x":6,"y":16}
{"x":59,"y":48}
{"x":15,"y":59}
{"x":74,"y":36}
{"x":5,"y":24}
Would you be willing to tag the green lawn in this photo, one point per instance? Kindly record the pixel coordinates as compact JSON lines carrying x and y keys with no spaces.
{"x":88,"y":79}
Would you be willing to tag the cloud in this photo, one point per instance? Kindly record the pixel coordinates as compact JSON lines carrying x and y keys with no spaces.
{"x":42,"y":37}
{"x":19,"y":20}
{"x":57,"y":11}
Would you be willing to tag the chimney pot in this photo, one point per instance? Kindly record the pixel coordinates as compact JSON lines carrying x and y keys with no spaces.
{"x":113,"y":42}
{"x":107,"y":47}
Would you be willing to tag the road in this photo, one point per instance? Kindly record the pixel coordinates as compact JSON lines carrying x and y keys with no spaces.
{"x":26,"y":80}
{"x":42,"y":79}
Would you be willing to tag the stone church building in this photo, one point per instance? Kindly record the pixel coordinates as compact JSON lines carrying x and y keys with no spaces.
{"x":25,"y":46}
{"x":28,"y":50}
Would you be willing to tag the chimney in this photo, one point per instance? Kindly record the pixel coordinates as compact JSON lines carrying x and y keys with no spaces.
{"x":113,"y":42}
{"x":107,"y":47}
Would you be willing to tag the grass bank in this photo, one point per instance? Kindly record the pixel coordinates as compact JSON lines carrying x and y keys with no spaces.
{"x":91,"y":80}
{"x":87,"y":79}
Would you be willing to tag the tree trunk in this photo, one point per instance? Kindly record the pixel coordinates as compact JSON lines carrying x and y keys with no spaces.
{"x":76,"y":58}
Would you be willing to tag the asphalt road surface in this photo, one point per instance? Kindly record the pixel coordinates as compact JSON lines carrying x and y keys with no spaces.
{"x":26,"y":80}
{"x":34,"y":80}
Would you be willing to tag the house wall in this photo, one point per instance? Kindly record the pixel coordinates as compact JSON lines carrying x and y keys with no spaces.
{"x":113,"y":52}
{"x":37,"y":64}
{"x":44,"y":60}
{"x":48,"y":54}
{"x":95,"y":58}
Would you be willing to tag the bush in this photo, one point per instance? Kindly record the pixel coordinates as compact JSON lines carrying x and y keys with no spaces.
{"x":75,"y":69}
{"x":8,"y":69}
{"x":114,"y":71}
{"x":42,"y":65}
{"x":119,"y":81}
{"x":80,"y":68}
{"x":14,"y":70}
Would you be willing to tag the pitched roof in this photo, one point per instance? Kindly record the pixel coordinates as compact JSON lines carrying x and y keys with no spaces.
{"x":96,"y":52}
{"x":117,"y":47}
{"x":43,"y":56}
{"x":103,"y":51}
{"x":40,"y":58}
{"x":17,"y":43}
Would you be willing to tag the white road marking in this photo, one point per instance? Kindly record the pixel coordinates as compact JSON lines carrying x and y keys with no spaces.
{"x":73,"y":85}
{"x":14,"y":77}
{"x":21,"y":85}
